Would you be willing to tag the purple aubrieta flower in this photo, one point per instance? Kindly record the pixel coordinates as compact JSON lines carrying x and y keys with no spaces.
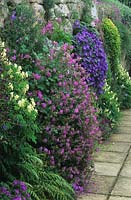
{"x":76,"y":24}
{"x":13,"y":16}
{"x":17,"y":198}
{"x":90,"y":48}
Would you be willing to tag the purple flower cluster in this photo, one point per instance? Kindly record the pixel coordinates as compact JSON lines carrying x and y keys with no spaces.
{"x":18,"y":191}
{"x":69,"y":123}
{"x":90,"y":48}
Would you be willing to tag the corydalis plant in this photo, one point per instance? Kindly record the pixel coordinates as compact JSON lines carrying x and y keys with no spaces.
{"x":90,"y":48}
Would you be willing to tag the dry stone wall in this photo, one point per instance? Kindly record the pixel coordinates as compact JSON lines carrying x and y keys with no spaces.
{"x":69,"y":9}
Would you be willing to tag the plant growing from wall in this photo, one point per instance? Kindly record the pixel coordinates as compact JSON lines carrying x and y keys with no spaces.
{"x":112,"y":43}
{"x":120,"y":78}
{"x":93,"y":58}
{"x":109,"y":111}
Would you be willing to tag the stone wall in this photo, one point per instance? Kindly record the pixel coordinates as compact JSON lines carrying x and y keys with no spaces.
{"x":68,"y":9}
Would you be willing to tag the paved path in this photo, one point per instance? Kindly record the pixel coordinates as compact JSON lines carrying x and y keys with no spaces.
{"x":112,"y":177}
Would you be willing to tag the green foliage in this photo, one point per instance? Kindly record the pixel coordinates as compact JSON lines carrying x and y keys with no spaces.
{"x":17,"y":124}
{"x":125,"y":35}
{"x":126,"y":2}
{"x":51,"y":186}
{"x":21,"y":32}
{"x":18,"y":159}
{"x":120,"y":79}
{"x":123,"y":87}
{"x":59,"y":34}
{"x":112,"y":43}
{"x":109,"y":111}
{"x":123,"y":11}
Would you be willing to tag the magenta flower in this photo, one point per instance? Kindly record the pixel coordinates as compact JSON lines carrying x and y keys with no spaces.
{"x":36,"y":76}
{"x":43,"y":105}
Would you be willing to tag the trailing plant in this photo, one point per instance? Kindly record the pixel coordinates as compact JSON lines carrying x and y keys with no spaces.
{"x":123,"y":87}
{"x":109,"y":111}
{"x":65,"y":93}
{"x":93,"y":58}
{"x":125,"y":35}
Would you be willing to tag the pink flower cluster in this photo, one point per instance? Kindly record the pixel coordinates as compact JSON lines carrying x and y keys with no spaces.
{"x":68,"y":117}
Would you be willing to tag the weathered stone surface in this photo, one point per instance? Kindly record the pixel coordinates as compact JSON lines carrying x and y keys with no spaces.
{"x":107,"y":169}
{"x":128,"y":160}
{"x":101,"y":184}
{"x":61,"y":10}
{"x":92,"y":197}
{"x":39,"y":10}
{"x":126,"y":171}
{"x":126,"y":112}
{"x":115,"y":147}
{"x":121,"y":138}
{"x":36,"y":1}
{"x":76,"y":10}
{"x":124,"y":130}
{"x":122,"y":187}
{"x":119,"y":198}
{"x":3,"y":11}
{"x":17,"y":1}
{"x":113,"y":157}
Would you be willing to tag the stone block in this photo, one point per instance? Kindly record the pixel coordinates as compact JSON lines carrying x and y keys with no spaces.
{"x":92,"y":197}
{"x":126,"y":171}
{"x":101,"y":184}
{"x":115,"y":147}
{"x":119,"y":198}
{"x":120,"y":138}
{"x":107,"y":169}
{"x":113,"y":157}
{"x":122,"y":187}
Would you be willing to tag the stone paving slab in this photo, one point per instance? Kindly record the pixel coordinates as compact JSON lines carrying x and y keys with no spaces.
{"x":125,"y":123}
{"x":93,"y":197}
{"x":123,"y":130}
{"x":122,"y":187}
{"x":128,"y":160}
{"x":121,"y":138}
{"x":107,"y":169}
{"x":126,"y":113}
{"x":115,"y":147}
{"x":119,"y":198}
{"x":113,"y":157}
{"x":101,"y":184}
{"x":108,"y":183}
{"x":126,"y":171}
